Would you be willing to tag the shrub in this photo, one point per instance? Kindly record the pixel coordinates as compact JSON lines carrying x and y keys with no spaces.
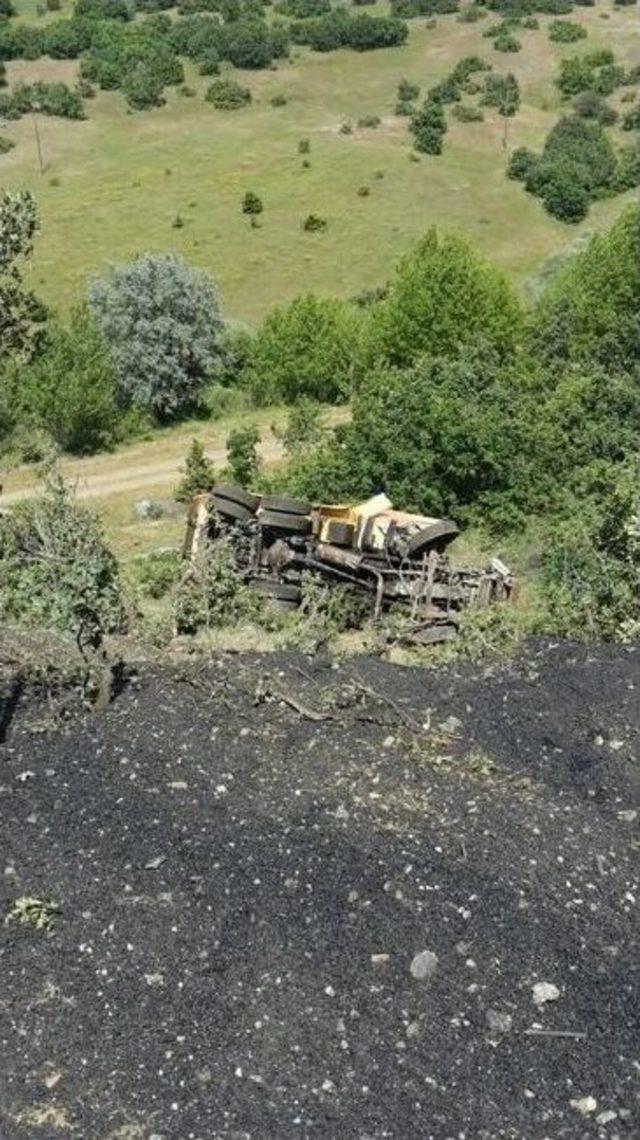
{"x":589,"y":105}
{"x":466,"y":114}
{"x":521,"y":163}
{"x":142,"y":88}
{"x":67,"y":39}
{"x":631,"y":120}
{"x":303,"y":9}
{"x":566,"y":32}
{"x":407,"y":91}
{"x":371,"y":121}
{"x":314,"y":223}
{"x":155,"y":574}
{"x":304,"y":146}
{"x":442,"y":296}
{"x":57,"y":571}
{"x":628,"y":172}
{"x":227,"y":95}
{"x":48,"y":99}
{"x":584,"y":145}
{"x":339,"y":28}
{"x":69,"y":389}
{"x":252,"y":204}
{"x":212,"y":593}
{"x":161,"y":319}
{"x":196,"y":36}
{"x":242,"y":455}
{"x":21,"y":314}
{"x":309,"y":348}
{"x":6,"y":144}
{"x":279,"y":101}
{"x":428,"y":127}
{"x":564,"y":196}
{"x":249,"y":44}
{"x":506,"y":42}
{"x":209,"y":62}
{"x":199,"y":474}
{"x":103,"y":9}
{"x":595,"y":71}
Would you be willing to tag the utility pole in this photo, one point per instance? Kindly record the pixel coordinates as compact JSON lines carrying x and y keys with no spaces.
{"x":36,"y":130}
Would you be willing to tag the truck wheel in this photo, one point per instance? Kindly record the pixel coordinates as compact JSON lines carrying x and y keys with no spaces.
{"x":430,"y":535}
{"x":282,"y":520}
{"x":237,"y":495}
{"x":231,"y":510}
{"x":284,"y":503}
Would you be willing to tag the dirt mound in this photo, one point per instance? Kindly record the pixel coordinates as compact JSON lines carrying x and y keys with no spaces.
{"x":301,"y":900}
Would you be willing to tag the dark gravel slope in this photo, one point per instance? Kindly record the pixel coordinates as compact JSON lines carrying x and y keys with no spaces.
{"x":246,"y":894}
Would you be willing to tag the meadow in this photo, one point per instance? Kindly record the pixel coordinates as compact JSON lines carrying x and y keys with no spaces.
{"x":113,"y":185}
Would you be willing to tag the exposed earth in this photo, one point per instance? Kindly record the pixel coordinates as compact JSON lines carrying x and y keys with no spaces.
{"x":299,"y":900}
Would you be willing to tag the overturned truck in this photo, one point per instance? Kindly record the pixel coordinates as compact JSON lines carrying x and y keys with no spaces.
{"x":396,"y":558}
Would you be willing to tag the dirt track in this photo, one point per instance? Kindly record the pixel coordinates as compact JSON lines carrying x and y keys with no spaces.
{"x":243,"y":892}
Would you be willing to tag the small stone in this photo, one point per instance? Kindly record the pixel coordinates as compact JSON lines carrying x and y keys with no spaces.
{"x":606,"y":1117}
{"x":451,"y":725}
{"x":424,"y":965}
{"x":388,"y":741}
{"x":342,"y":813}
{"x":544,"y":992}
{"x":153,"y":864}
{"x":379,"y":959}
{"x":499,"y":1022}
{"x":629,"y":815}
{"x":155,"y":980}
{"x":585,"y":1105}
{"x":413,"y":1029}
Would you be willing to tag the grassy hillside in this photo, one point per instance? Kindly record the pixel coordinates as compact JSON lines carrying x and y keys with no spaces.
{"x":113,"y":185}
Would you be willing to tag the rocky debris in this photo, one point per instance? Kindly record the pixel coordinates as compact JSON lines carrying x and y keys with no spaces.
{"x":544,"y":992}
{"x":424,"y":965}
{"x":585,"y":1105}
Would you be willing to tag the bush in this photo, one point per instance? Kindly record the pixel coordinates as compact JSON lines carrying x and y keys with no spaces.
{"x":628,"y":172}
{"x":303,"y":9}
{"x":69,"y":389}
{"x":48,"y":99}
{"x":212,"y":593}
{"x":339,"y":28}
{"x":142,"y":88}
{"x":631,"y":120}
{"x":444,"y":295}
{"x":199,"y":474}
{"x":428,"y":127}
{"x":6,"y":144}
{"x":506,"y":42}
{"x":103,"y":9}
{"x":466,"y":114}
{"x":209,"y":62}
{"x":242,"y":455}
{"x":156,"y":573}
{"x":564,"y":196}
{"x":595,"y":71}
{"x":566,"y":32}
{"x":314,"y":223}
{"x":252,"y":204}
{"x":250,"y":44}
{"x":407,"y":91}
{"x":309,"y":348}
{"x":582,"y":144}
{"x":369,"y":121}
{"x":161,"y":319}
{"x":67,"y":39}
{"x":56,"y":570}
{"x":589,"y":105}
{"x":196,"y":36}
{"x":227,"y":95}
{"x":521,"y":163}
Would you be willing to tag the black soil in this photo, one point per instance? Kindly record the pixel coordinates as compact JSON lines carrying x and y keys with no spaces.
{"x":243,"y":884}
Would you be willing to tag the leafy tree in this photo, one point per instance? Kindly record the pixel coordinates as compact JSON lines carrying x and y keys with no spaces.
{"x":248,"y":44}
{"x":161,"y":319}
{"x":309,"y":348}
{"x":563,"y":194}
{"x":428,"y":127}
{"x":591,"y":310}
{"x":199,"y":474}
{"x":521,"y":162}
{"x":242,"y":455}
{"x":584,"y":145}
{"x":407,"y":91}
{"x":303,"y":9}
{"x":442,"y":296}
{"x":104,"y":9}
{"x":69,"y":389}
{"x":143,"y":87}
{"x":21,"y":314}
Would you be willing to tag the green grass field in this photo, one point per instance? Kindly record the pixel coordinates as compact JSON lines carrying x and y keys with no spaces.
{"x":114,"y":184}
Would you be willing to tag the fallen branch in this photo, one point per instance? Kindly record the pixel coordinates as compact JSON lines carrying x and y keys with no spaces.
{"x":576,"y":1034}
{"x":399,"y":711}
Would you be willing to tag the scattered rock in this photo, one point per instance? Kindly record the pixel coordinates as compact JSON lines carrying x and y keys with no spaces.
{"x":153,"y":864}
{"x":607,"y":1116}
{"x":379,"y":959}
{"x":155,"y":980}
{"x":424,"y":965}
{"x":544,"y":992}
{"x":499,"y":1022}
{"x":629,"y":815}
{"x":451,"y":725}
{"x":148,"y":509}
{"x":585,"y":1105}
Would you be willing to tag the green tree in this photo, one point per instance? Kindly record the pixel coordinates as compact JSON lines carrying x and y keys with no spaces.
{"x":242,"y":455}
{"x":252,"y":205}
{"x":591,"y":310}
{"x":69,"y":389}
{"x":161,"y":319}
{"x":310,"y":347}
{"x":444,"y":295}
{"x":21,"y":315}
{"x":199,"y":474}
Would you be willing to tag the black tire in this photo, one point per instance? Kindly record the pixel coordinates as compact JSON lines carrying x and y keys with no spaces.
{"x":282,"y":520}
{"x":437,"y":533}
{"x":276,"y":591}
{"x":284,"y":503}
{"x":236,"y":495}
{"x":230,"y":510}
{"x":340,"y":533}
